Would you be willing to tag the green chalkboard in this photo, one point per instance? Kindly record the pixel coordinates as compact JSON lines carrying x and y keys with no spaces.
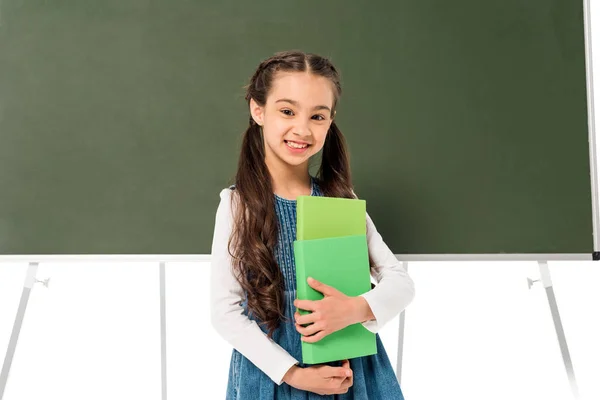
{"x":120,"y":120}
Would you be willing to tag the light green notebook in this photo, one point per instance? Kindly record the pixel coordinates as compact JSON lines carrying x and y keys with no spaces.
{"x":343,"y":263}
{"x":331,"y":247}
{"x":322,"y":217}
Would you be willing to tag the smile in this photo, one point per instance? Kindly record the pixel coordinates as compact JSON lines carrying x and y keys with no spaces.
{"x":295,"y":145}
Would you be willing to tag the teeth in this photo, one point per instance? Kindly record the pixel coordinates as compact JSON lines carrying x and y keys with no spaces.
{"x":296,"y":145}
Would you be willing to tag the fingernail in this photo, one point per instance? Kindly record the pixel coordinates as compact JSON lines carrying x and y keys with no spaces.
{"x":310,"y":280}
{"x":348,"y":373}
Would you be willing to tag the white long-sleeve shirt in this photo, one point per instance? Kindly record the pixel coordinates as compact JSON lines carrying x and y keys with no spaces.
{"x":393,"y":293}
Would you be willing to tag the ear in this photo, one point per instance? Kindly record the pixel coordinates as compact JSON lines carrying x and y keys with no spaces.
{"x":257,"y":112}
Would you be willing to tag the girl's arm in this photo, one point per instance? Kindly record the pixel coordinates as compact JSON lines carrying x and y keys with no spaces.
{"x":226,"y":312}
{"x":395,"y":289}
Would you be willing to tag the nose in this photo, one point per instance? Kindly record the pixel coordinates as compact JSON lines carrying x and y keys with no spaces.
{"x":301,"y":128}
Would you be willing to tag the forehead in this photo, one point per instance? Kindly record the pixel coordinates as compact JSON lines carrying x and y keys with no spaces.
{"x":307,"y":89}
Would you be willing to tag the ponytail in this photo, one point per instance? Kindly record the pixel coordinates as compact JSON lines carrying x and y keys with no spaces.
{"x":334,"y":174}
{"x":255,"y":235}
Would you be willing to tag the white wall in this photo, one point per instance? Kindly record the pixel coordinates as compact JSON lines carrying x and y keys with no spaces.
{"x":474,"y":331}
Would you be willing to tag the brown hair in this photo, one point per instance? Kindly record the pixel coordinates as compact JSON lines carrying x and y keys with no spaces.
{"x":255,"y":227}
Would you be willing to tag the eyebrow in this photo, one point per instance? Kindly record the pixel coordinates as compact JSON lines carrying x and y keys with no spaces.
{"x":295,"y":103}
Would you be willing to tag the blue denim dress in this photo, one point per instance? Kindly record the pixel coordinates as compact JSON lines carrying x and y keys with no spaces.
{"x":374,"y":378}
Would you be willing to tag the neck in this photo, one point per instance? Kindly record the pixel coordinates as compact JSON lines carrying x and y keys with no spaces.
{"x":288,"y":181}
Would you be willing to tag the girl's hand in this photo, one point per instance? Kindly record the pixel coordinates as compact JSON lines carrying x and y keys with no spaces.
{"x":334,"y":312}
{"x":321,"y":379}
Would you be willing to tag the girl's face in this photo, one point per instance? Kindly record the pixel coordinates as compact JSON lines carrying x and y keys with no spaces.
{"x":295,"y":118}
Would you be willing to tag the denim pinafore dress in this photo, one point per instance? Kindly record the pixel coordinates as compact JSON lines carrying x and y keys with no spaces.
{"x":374,"y":377}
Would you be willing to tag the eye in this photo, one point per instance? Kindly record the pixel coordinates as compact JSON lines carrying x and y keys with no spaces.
{"x":319,"y":117}
{"x":287,"y":112}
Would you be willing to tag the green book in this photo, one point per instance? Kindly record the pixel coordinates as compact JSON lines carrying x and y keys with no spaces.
{"x":343,"y":263}
{"x":331,"y":247}
{"x":322,"y":217}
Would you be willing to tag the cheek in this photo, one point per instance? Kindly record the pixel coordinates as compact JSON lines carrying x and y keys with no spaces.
{"x":321,"y":134}
{"x":279,"y":128}
{"x":273,"y":132}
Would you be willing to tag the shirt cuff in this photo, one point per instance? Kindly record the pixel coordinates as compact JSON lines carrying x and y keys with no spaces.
{"x":373,"y":325}
{"x":278,"y":373}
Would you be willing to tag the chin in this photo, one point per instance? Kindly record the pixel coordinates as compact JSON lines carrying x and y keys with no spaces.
{"x":295,"y":162}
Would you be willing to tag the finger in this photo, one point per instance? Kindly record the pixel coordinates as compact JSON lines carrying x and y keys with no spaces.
{"x":350,"y":379}
{"x":309,"y":330}
{"x":321,"y":287}
{"x":347,"y":384}
{"x":335,"y":382}
{"x":340,"y":390}
{"x":308,"y":305}
{"x":334,"y":386}
{"x":341,"y":385}
{"x":305,"y":319}
{"x":315,"y":338}
{"x":337,"y":372}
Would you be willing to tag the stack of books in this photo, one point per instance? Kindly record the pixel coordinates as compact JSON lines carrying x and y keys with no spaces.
{"x":331,"y":247}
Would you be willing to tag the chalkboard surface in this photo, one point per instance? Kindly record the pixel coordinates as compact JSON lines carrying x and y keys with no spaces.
{"x":120,"y":120}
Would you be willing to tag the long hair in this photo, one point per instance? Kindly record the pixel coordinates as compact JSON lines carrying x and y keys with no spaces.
{"x":255,"y":227}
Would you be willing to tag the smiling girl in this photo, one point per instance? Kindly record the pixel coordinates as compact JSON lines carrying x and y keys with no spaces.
{"x":292,"y":99}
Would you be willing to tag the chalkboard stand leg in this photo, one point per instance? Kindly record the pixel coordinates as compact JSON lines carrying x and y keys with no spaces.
{"x":163,"y":332}
{"x":14,"y":336}
{"x":400,"y":336}
{"x":560,"y":333}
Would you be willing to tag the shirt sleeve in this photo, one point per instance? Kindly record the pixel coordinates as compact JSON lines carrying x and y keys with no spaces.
{"x":395,"y":289}
{"x":226,"y":296}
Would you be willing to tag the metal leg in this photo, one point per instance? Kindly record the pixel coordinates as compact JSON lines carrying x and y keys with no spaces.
{"x":560,"y":333}
{"x":401,"y":337}
{"x":163,"y":332}
{"x":14,"y":337}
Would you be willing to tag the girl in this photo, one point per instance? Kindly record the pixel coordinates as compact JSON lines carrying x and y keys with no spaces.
{"x":292,"y":100}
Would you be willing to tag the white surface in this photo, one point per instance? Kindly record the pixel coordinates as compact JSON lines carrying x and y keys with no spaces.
{"x":474,"y":331}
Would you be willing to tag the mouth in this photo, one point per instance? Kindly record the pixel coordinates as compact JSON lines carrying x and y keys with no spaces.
{"x":296,"y":145}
